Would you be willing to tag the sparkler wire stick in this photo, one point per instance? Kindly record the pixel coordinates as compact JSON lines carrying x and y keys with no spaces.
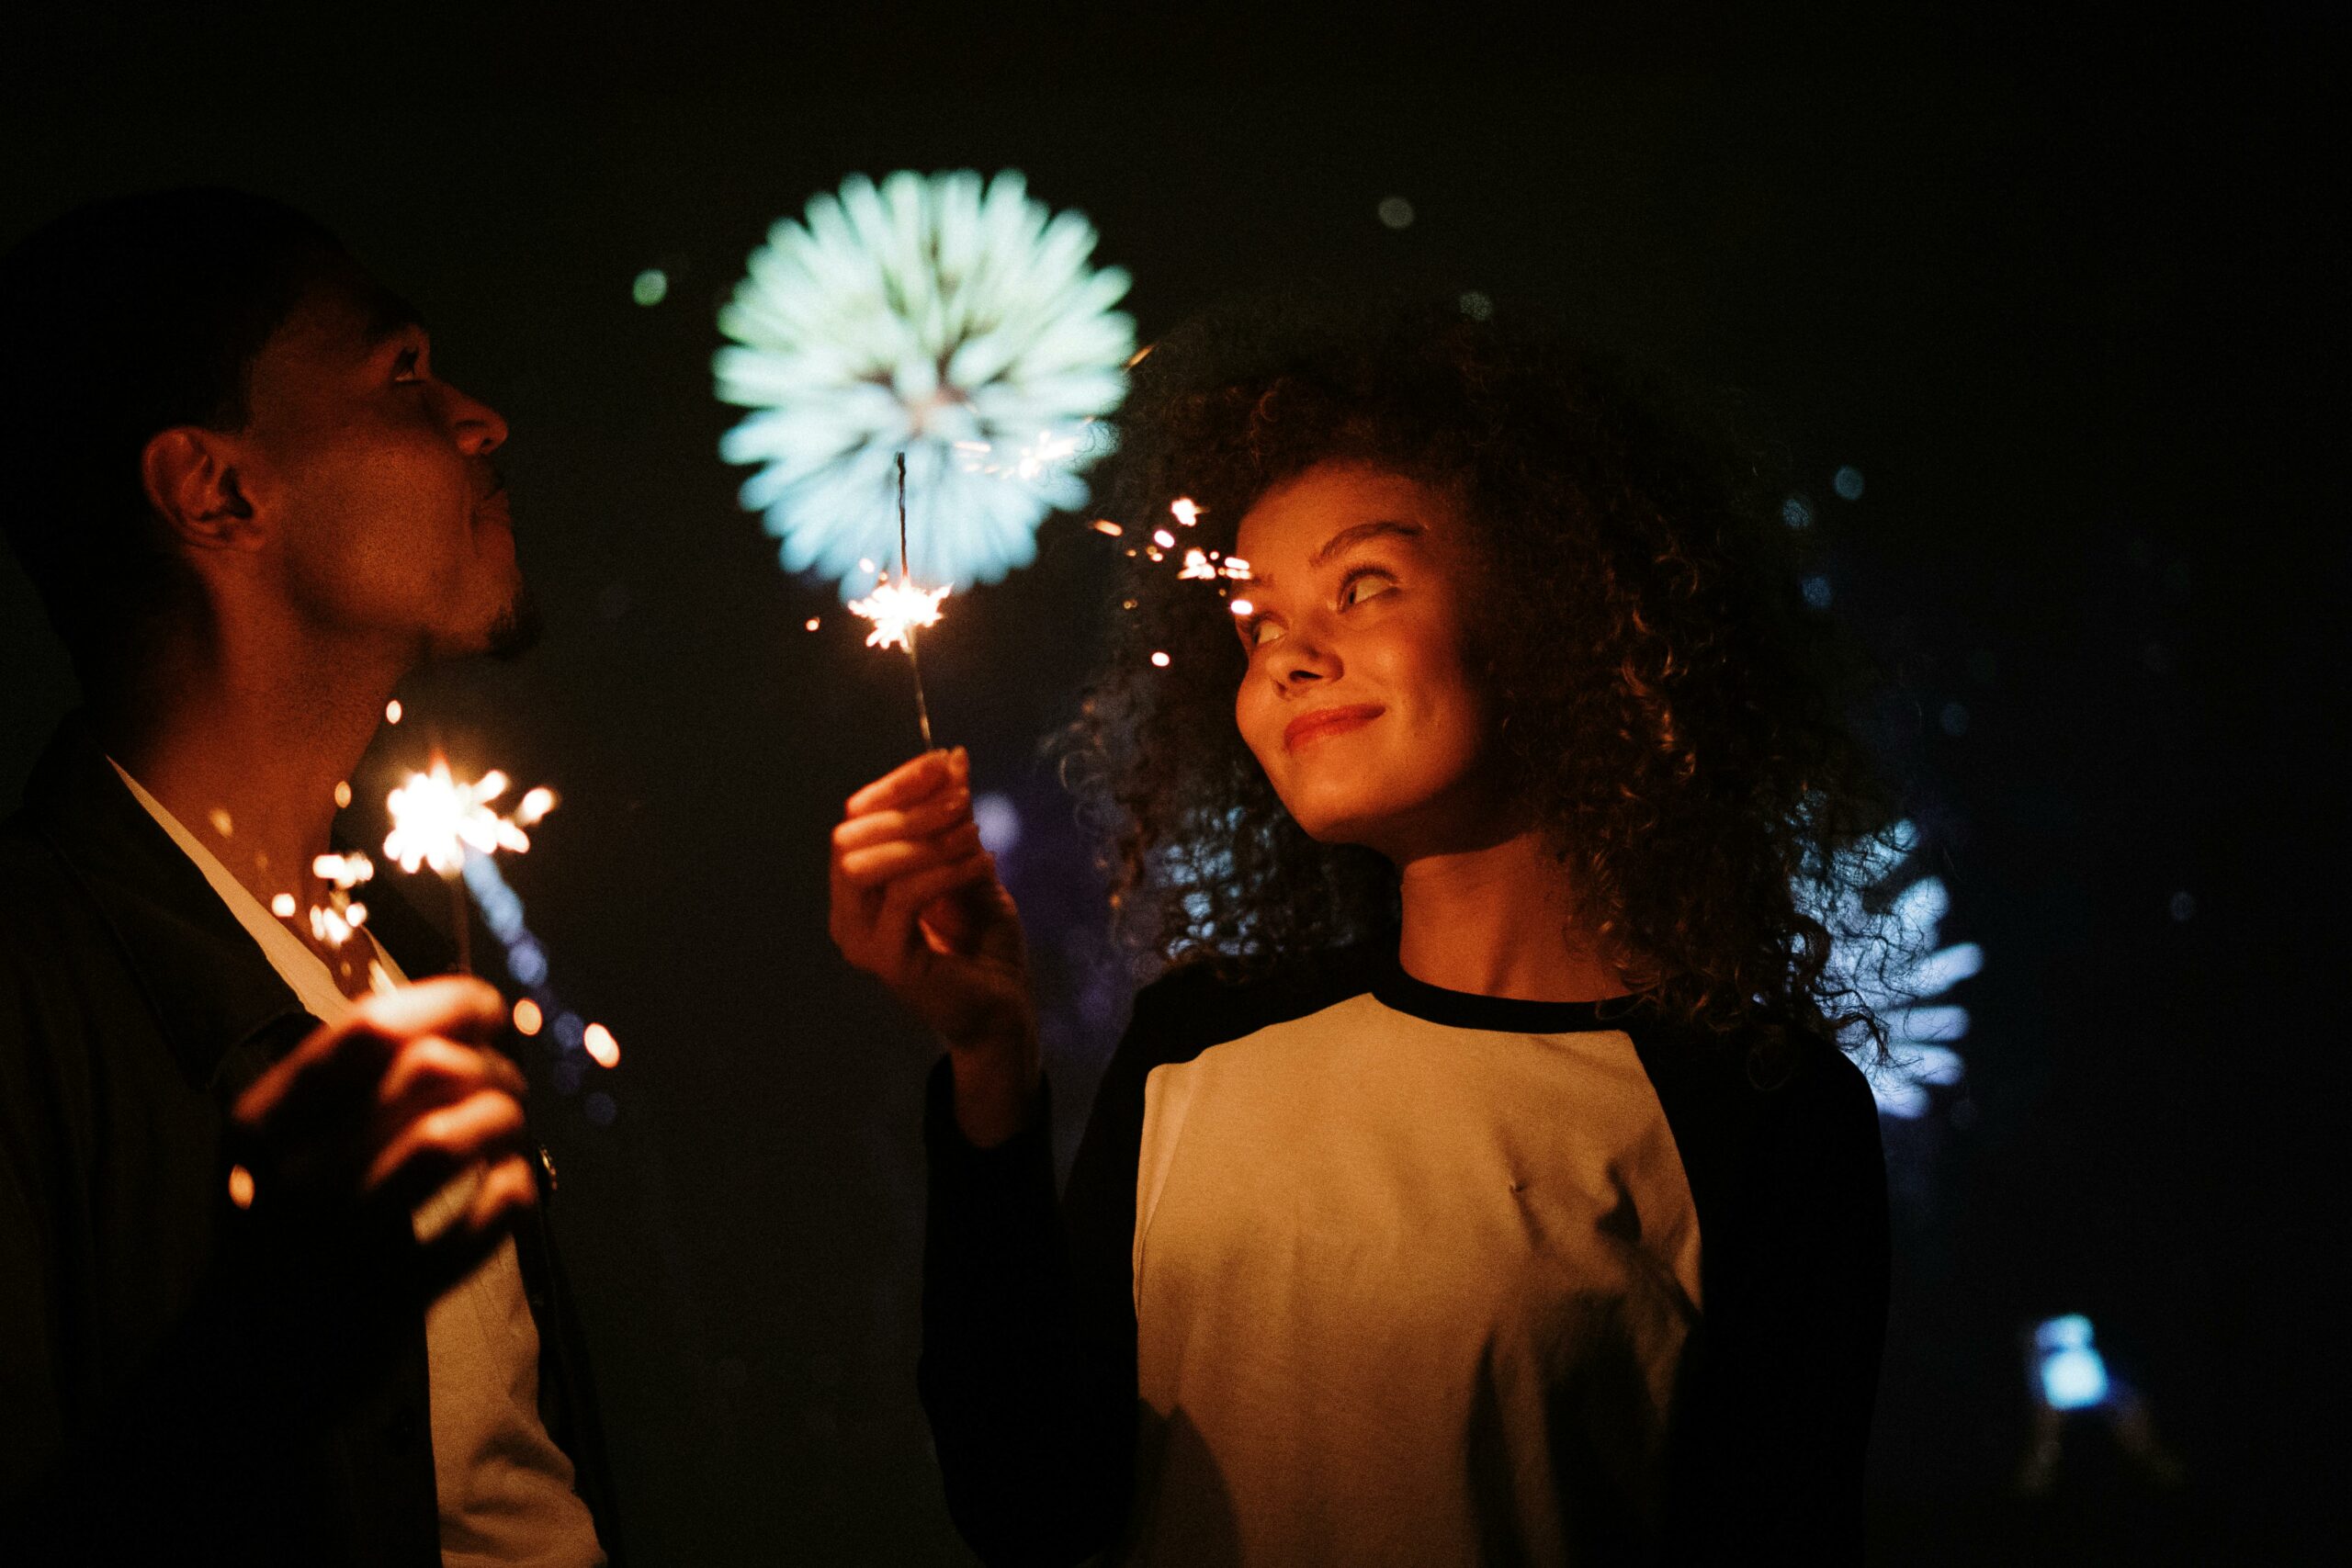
{"x":923,"y":708}
{"x":458,"y":922}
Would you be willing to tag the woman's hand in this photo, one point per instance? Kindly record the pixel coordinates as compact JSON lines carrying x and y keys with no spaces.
{"x":917,"y":905}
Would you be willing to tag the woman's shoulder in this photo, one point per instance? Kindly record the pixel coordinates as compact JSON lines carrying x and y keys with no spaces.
{"x":1739,"y":1097}
{"x":1202,"y":1001}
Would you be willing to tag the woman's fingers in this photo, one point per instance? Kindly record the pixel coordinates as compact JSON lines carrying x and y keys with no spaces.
{"x":905,"y":899}
{"x":882,"y":863}
{"x":934,"y":814}
{"x":909,"y":783}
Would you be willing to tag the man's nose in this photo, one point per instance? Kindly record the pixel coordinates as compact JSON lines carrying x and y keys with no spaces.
{"x":480,"y":429}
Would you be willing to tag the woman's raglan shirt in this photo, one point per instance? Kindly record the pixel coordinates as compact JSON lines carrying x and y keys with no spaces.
{"x":1353,"y":1270}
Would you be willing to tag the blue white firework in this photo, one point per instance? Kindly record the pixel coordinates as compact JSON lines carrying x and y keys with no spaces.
{"x":959,"y":324}
{"x":1890,"y":959}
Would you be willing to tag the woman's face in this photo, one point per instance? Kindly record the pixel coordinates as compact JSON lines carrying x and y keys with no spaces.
{"x":1357,"y":701}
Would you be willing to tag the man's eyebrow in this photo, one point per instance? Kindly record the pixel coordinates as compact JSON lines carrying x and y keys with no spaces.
{"x":388,"y":314}
{"x":1358,"y":533}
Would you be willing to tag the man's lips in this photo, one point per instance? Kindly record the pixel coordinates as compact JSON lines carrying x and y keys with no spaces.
{"x":1327,"y":721}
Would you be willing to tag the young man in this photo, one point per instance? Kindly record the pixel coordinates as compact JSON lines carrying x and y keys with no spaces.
{"x":273,"y":1284}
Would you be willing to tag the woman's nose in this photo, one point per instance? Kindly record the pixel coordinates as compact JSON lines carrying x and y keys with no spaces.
{"x":1306,"y":659}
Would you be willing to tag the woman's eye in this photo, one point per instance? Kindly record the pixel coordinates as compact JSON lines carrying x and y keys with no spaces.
{"x":1259,"y":633}
{"x":404,"y":366}
{"x":1366,"y":585}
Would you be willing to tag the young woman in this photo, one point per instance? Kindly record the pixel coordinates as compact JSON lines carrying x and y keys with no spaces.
{"x":1480,"y":1182}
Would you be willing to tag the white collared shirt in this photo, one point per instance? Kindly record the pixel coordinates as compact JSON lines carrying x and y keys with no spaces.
{"x":504,"y":1488}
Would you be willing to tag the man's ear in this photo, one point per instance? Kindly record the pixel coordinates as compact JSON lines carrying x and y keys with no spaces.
{"x":192,"y":482}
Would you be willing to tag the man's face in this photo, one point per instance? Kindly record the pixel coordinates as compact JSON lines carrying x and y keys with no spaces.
{"x":372,"y":478}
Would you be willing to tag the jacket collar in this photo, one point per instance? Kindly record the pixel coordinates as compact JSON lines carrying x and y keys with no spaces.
{"x":208,"y":986}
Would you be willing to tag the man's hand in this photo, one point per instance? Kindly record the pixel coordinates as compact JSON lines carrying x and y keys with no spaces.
{"x":378,"y":1113}
{"x":916,"y":904}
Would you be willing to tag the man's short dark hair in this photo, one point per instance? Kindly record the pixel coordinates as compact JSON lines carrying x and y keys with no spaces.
{"x":119,"y":320}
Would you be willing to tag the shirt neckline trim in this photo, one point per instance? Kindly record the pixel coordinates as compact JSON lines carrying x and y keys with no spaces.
{"x":1468,"y":1010}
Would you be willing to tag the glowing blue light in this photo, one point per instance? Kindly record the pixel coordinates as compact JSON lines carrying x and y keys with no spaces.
{"x":961,"y":325}
{"x":650,"y":287}
{"x":1954,"y":720}
{"x":2184,"y":905}
{"x":1848,"y":482}
{"x":1890,"y":961}
{"x":526,"y":963}
{"x":2071,"y":1372}
{"x":1817,"y":591}
{"x":999,"y":821}
{"x":1797,"y":512}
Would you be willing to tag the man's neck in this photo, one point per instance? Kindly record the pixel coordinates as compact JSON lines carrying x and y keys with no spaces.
{"x":246,"y":745}
{"x":1499,"y":919}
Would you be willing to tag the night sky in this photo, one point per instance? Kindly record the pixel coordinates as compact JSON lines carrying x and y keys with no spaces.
{"x":2064,"y":298}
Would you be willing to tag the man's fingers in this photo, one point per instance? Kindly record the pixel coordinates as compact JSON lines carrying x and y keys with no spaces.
{"x":433,"y":1072}
{"x":422,"y":1158}
{"x":335,"y":1068}
{"x":902,"y":857}
{"x":505,"y":1191}
{"x":908,"y":782}
{"x":930,"y":816}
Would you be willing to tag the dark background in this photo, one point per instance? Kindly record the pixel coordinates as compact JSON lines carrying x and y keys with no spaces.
{"x":2061,"y":293}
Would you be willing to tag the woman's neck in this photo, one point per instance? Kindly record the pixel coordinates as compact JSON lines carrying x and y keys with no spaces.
{"x":1501,"y":921}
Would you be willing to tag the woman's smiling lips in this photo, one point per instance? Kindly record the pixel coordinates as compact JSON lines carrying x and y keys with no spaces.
{"x":1327,"y":721}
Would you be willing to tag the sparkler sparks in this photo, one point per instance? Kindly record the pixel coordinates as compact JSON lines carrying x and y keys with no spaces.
{"x":1195,"y":564}
{"x":897,"y":609}
{"x":436,"y":819}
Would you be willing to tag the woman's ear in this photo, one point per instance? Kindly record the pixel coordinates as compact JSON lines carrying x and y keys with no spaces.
{"x":192,"y":481}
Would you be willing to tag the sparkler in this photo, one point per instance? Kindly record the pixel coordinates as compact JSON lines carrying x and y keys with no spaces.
{"x":435,"y":821}
{"x":898,"y":608}
{"x":1193,"y":564}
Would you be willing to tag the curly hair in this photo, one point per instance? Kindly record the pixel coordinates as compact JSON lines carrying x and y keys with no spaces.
{"x":1670,"y":713}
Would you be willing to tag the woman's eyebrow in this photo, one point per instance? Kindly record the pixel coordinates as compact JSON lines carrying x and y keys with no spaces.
{"x":1358,"y":533}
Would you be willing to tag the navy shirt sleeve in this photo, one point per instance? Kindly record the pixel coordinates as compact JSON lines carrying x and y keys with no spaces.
{"x":1770,"y":1443}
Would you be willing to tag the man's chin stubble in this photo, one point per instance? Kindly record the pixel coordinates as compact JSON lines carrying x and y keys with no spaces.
{"x":517,"y":629}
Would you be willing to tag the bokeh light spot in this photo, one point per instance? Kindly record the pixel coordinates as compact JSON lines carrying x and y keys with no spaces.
{"x":1476,"y":306}
{"x":999,"y":821}
{"x":529,"y":1019}
{"x":1817,"y":591}
{"x":651,"y":287}
{"x":240,"y":1187}
{"x":1797,"y":512}
{"x":599,"y":1108}
{"x":1847,"y":482}
{"x":1954,"y":720}
{"x":2184,"y":905}
{"x":1397,"y":212}
{"x":601,"y":1048}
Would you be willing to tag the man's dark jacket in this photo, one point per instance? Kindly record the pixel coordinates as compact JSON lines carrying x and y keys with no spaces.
{"x":163,"y":1396}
